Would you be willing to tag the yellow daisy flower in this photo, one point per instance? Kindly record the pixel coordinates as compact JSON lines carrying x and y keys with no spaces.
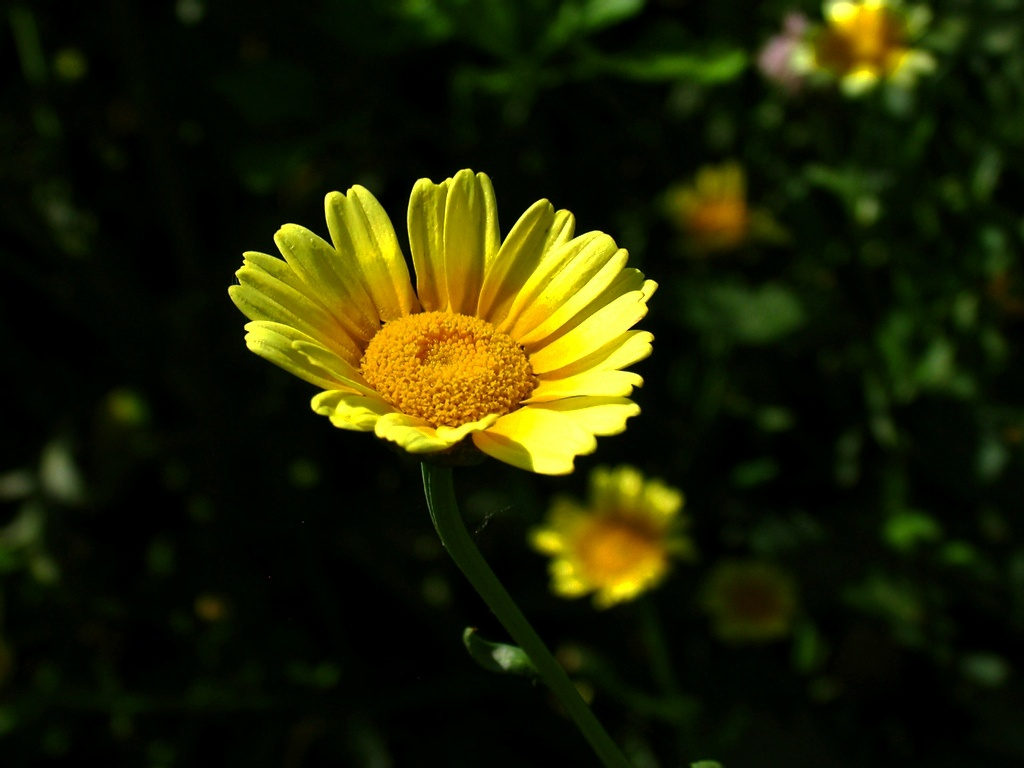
{"x":517,"y":345}
{"x":867,"y":41}
{"x":713,"y":212}
{"x":749,"y":601}
{"x":617,"y":545}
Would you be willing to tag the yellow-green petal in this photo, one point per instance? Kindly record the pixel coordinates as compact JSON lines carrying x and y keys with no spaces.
{"x":471,"y":238}
{"x":565,"y":582}
{"x":335,"y":282}
{"x":417,"y":436}
{"x":537,"y":439}
{"x":840,"y":12}
{"x":595,"y":383}
{"x":624,"y":350}
{"x":563,"y":519}
{"x":597,"y":415}
{"x":593,"y":333}
{"x":275,"y":342}
{"x":533,"y":283}
{"x":561,"y":232}
{"x":426,"y":242}
{"x":547,"y":541}
{"x":624,"y":282}
{"x":361,"y":230}
{"x":348,"y":410}
{"x":859,"y":81}
{"x":270,"y":290}
{"x":585,"y":278}
{"x":566,"y":514}
{"x":341,"y":370}
{"x":517,"y":257}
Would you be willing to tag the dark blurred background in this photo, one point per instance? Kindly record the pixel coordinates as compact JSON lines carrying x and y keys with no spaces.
{"x":195,"y":569}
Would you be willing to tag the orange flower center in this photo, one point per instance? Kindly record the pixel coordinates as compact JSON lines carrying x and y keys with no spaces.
{"x":725,"y":220}
{"x":446,"y":368}
{"x":611,"y":549}
{"x":872,"y":38}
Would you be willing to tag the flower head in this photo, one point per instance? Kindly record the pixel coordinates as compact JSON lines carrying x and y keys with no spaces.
{"x":713,"y":210}
{"x":619,"y":543}
{"x":517,"y":345}
{"x":713,"y":213}
{"x":865,"y":42}
{"x":749,"y":601}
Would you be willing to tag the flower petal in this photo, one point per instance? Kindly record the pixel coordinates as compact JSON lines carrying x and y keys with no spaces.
{"x":630,"y":347}
{"x":518,"y":256}
{"x":547,"y":541}
{"x":361,"y":230}
{"x":417,"y":436}
{"x":625,"y":281}
{"x":859,"y":80}
{"x":911,"y":63}
{"x":348,"y":410}
{"x":563,"y":521}
{"x":471,"y":238}
{"x":275,"y":342}
{"x":426,"y":242}
{"x":270,"y":290}
{"x":537,"y":439}
{"x":597,"y":415}
{"x":561,"y":231}
{"x":536,"y":280}
{"x":342,"y":372}
{"x":840,"y":13}
{"x":581,"y":281}
{"x":566,"y":581}
{"x":590,"y":335}
{"x":335,"y":282}
{"x":596,"y":383}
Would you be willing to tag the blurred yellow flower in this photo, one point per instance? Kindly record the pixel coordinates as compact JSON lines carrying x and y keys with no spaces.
{"x":619,"y":543}
{"x":868,"y":41}
{"x":517,"y":346}
{"x":210,"y":607}
{"x":713,"y":212}
{"x":749,"y":601}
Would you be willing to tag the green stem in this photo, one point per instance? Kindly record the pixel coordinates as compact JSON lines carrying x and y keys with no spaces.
{"x":657,"y":650}
{"x":661,"y":666}
{"x":440,"y":492}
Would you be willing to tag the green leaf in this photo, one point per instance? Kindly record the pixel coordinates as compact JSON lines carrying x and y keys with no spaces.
{"x":574,"y":20}
{"x":905,"y":530}
{"x":774,"y":418}
{"x":598,"y":14}
{"x":497,"y":657}
{"x":492,"y":26}
{"x":959,"y":553}
{"x":427,"y":17}
{"x":738,"y":314}
{"x":755,"y":472}
{"x":985,"y":669}
{"x":717,"y":67}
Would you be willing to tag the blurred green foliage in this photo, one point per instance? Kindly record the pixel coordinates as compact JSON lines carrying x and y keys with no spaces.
{"x":195,"y":569}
